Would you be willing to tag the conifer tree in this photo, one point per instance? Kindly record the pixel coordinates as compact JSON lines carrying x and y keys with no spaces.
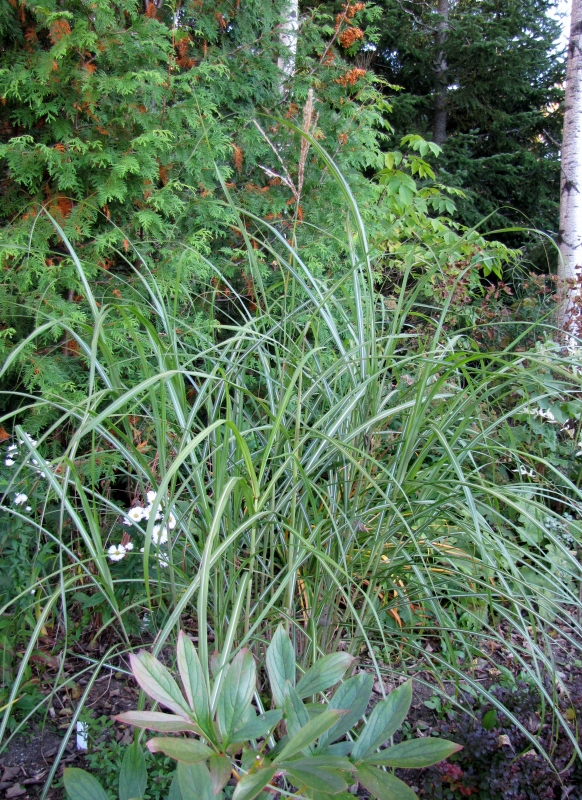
{"x":497,"y":74}
{"x":125,"y":120}
{"x":130,"y":123}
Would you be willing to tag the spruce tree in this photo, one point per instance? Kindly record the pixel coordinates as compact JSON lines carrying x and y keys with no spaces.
{"x":498,"y":64}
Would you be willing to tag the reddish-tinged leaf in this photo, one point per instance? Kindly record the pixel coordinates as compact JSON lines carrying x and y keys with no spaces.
{"x":156,"y":721}
{"x":157,"y":682}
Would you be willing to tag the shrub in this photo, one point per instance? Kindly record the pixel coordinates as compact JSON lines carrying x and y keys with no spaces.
{"x":238,"y":739}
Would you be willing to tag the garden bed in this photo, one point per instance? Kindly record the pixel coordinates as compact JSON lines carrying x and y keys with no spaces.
{"x":497,"y":762}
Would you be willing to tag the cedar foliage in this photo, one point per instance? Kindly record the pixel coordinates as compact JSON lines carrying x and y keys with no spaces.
{"x":122,"y":121}
{"x":129,"y":123}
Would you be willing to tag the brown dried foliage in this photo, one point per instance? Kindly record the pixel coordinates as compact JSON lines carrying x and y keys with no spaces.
{"x":349,"y":36}
{"x":238,"y":158}
{"x":59,"y":28}
{"x":351,"y":77}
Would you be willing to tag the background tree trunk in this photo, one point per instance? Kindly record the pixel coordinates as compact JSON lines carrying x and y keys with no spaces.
{"x":439,"y":134}
{"x":570,"y":235}
{"x":289,"y":32}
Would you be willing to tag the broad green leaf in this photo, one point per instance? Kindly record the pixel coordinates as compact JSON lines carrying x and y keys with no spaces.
{"x":415,"y":753}
{"x":157,"y":721}
{"x":220,"y":772}
{"x":82,"y":786}
{"x":280,"y":664}
{"x":236,"y":693}
{"x":195,"y":782}
{"x":326,"y":796}
{"x":252,"y":783}
{"x":174,"y":793}
{"x":258,"y":727}
{"x":157,"y":682}
{"x":251,"y":758}
{"x":337,"y":749}
{"x":215,"y":663}
{"x":489,"y":720}
{"x":188,"y":751}
{"x":309,"y":733}
{"x":352,"y":696}
{"x":386,"y":717}
{"x":324,"y":673}
{"x":321,"y":762}
{"x":133,"y":776}
{"x":296,"y":713}
{"x":383,"y":785}
{"x":193,"y":680}
{"x":319,"y":779}
{"x":313,"y":709}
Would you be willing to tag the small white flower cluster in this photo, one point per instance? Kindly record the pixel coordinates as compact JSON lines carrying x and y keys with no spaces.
{"x":13,"y":453}
{"x":543,"y":413}
{"x":20,"y":499}
{"x":137,"y":514}
{"x":579,"y":453}
{"x":118,"y":551}
{"x":525,"y":472}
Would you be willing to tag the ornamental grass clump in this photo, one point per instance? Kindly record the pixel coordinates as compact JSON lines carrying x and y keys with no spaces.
{"x":352,"y":464}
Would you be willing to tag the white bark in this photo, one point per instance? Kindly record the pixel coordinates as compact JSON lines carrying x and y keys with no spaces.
{"x":289,"y":33}
{"x":570,"y":235}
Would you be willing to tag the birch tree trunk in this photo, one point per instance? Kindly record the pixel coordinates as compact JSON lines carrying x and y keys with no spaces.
{"x":289,"y":33}
{"x":439,"y":131}
{"x":570,"y":234}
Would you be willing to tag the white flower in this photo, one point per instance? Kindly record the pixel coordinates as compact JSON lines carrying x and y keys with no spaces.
{"x":34,"y":461}
{"x":524,"y":471}
{"x":136,"y":514}
{"x":20,"y":499}
{"x":540,"y":412}
{"x":162,"y":558}
{"x":12,"y":448}
{"x":171,"y":521}
{"x":28,"y":439}
{"x":116,"y":552}
{"x":9,"y":462}
{"x":28,"y":508}
{"x":148,"y":510}
{"x":128,"y":546}
{"x":159,"y":535}
{"x":151,"y":496}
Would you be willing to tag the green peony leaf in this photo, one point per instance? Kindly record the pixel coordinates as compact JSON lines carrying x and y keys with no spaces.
{"x":386,"y":717}
{"x":82,"y":786}
{"x":416,"y":753}
{"x":280,"y":664}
